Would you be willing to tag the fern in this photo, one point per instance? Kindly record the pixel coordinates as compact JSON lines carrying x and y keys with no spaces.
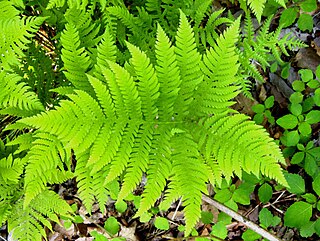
{"x":16,"y":98}
{"x":12,"y":43}
{"x":257,"y":6}
{"x":257,"y":48}
{"x":169,"y":119}
{"x":27,"y":224}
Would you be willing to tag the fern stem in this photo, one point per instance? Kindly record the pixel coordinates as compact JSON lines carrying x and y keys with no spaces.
{"x":254,"y":227}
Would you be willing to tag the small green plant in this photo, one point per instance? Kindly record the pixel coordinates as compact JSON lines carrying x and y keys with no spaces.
{"x":297,"y":139}
{"x":299,"y":10}
{"x":300,"y":214}
{"x":263,"y":112}
{"x":298,"y":124}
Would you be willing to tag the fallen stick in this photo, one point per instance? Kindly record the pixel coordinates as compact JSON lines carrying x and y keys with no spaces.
{"x":240,"y":219}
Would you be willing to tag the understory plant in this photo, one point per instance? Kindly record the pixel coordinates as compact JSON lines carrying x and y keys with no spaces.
{"x":75,"y":108}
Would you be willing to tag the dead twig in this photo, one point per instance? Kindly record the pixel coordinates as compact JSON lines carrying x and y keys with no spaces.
{"x":254,"y":227}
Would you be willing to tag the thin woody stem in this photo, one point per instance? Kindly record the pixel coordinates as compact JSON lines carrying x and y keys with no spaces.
{"x":254,"y":227}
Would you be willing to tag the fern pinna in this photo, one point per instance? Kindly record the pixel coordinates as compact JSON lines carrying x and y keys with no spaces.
{"x":171,"y":121}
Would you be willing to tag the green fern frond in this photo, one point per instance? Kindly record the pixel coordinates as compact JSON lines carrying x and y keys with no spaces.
{"x":10,"y":170}
{"x":188,"y":60}
{"x":248,"y":147}
{"x":190,"y":174}
{"x":27,"y":224}
{"x":206,"y":34}
{"x":75,"y":58}
{"x":159,"y":168}
{"x":168,"y":75}
{"x":169,"y":119}
{"x":148,"y":85}
{"x":13,"y":43}
{"x":46,"y":160}
{"x":128,"y":90}
{"x":220,"y":64}
{"x":257,"y":7}
{"x":85,"y":181}
{"x":106,"y":50}
{"x":7,"y":10}
{"x":16,"y":97}
{"x":88,"y":30}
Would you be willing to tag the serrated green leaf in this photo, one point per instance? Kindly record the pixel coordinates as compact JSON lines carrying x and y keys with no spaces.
{"x":308,"y":5}
{"x":307,"y":230}
{"x":242,"y":193}
{"x":161,"y":223}
{"x":317,"y":226}
{"x":316,"y":185}
{"x":316,"y":97}
{"x":313,"y":117}
{"x":296,"y":98}
{"x":219,"y":230}
{"x":298,"y":85}
{"x":265,"y":193}
{"x":145,"y":217}
{"x":296,"y":183}
{"x":258,"y":118}
{"x":306,"y":74}
{"x":121,"y":206}
{"x":305,"y":22}
{"x":288,"y":17}
{"x":259,"y":108}
{"x":297,"y":157}
{"x":305,"y":129}
{"x":288,"y":121}
{"x":298,"y":214}
{"x":250,"y":235}
{"x":206,"y":217}
{"x":223,"y":195}
{"x":112,"y":226}
{"x":310,"y":165}
{"x":269,"y":102}
{"x":292,"y":138}
{"x":98,"y":236}
{"x":308,"y":104}
{"x":310,"y":198}
{"x":296,"y":109}
{"x":265,"y":217}
{"x":313,"y":84}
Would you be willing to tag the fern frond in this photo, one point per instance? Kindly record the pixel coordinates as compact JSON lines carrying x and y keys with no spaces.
{"x":138,"y":162}
{"x":188,"y":60}
{"x":128,"y":90}
{"x":13,"y":43}
{"x":220,"y":65}
{"x":47,"y":160}
{"x":257,"y":7}
{"x":168,"y":75}
{"x":106,"y":50}
{"x":10,"y":170}
{"x":7,"y":10}
{"x":190,"y":173}
{"x":159,"y":168}
{"x":168,"y":118}
{"x":207,"y":34}
{"x":87,"y":28}
{"x":148,"y":85}
{"x":248,"y":147}
{"x":84,"y":181}
{"x":27,"y":224}
{"x":75,"y":58}
{"x":16,"y":97}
